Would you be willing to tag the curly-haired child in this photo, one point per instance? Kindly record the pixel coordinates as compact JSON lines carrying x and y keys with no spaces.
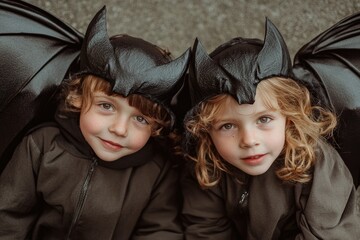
{"x":261,"y":167}
{"x":105,"y":169}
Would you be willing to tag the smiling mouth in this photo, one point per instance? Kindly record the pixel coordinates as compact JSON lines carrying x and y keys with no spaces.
{"x":111,"y":145}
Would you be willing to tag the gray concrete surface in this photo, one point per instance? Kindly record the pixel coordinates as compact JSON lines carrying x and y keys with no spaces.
{"x":175,"y":24}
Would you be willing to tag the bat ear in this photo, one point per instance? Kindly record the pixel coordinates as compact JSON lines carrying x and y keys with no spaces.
{"x":208,"y":78}
{"x":274,"y":58}
{"x":167,"y":76}
{"x":97,"y":53}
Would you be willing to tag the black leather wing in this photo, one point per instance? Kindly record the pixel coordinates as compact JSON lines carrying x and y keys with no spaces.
{"x":330,"y":66}
{"x":36,"y":52}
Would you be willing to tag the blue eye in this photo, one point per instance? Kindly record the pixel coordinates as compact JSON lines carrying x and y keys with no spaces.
{"x":263,"y":120}
{"x":141,"y":119}
{"x":106,"y":106}
{"x":227,"y":126}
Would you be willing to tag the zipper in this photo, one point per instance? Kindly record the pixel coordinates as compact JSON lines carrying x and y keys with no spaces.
{"x":82,"y":196}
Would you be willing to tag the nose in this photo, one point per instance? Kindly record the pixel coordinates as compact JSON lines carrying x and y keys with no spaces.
{"x":119,"y":126}
{"x":248,"y":138}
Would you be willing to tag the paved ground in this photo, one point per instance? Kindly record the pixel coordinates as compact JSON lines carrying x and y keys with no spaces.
{"x":175,"y":24}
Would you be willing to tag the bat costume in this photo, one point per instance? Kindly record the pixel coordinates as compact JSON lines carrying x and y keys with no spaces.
{"x":263,"y":207}
{"x":54,"y":186}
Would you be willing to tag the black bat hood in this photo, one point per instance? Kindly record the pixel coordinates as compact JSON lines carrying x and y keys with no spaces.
{"x":131,"y":65}
{"x":237,"y":66}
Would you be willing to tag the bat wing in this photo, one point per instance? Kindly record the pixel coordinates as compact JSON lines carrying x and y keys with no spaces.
{"x":37,"y":51}
{"x":330,"y":66}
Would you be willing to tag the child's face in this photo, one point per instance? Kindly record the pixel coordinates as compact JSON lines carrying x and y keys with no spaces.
{"x":250,"y":137}
{"x":113,"y":128}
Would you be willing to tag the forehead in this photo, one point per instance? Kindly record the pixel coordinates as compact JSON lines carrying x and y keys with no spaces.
{"x":231,"y":107}
{"x":113,"y":97}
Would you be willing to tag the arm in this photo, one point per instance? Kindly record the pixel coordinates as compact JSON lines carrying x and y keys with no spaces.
{"x":328,"y":205}
{"x":18,"y":198}
{"x":160,"y":218}
{"x":204,"y":213}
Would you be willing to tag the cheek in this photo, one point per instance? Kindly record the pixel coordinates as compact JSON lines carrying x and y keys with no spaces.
{"x":277,"y":144}
{"x":225,"y":150}
{"x":140,"y":138}
{"x":277,"y":138}
{"x":223,"y":146}
{"x":89,"y":123}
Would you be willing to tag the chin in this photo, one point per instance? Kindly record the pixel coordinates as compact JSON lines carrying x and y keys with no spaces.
{"x":257,"y":172}
{"x":108,"y":158}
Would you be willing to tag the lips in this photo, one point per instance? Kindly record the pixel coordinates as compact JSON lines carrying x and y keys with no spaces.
{"x":111,"y":145}
{"x":254,"y":159}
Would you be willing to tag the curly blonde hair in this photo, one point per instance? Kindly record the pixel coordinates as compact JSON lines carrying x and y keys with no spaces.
{"x":78,"y":95}
{"x":305,"y":125}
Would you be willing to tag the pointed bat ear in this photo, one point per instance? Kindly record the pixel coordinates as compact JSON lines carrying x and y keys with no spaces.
{"x":162,"y":81}
{"x":170,"y":73}
{"x":274,"y":58}
{"x":97,"y":54}
{"x":208,"y":78}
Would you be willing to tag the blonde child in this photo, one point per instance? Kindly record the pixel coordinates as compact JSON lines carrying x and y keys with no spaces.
{"x":261,"y":167}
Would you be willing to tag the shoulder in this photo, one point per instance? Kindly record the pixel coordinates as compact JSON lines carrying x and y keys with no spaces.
{"x":35,"y":145}
{"x":326,"y":154}
{"x":191,"y":185}
{"x":43,"y":136}
{"x":329,"y":163}
{"x":324,"y":147}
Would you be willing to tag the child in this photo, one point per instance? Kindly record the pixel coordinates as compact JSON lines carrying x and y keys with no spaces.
{"x":104,"y":170}
{"x":261,"y":168}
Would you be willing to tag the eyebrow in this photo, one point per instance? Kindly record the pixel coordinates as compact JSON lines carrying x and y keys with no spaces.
{"x":232,"y":119}
{"x":102,"y":95}
{"x":264,"y":112}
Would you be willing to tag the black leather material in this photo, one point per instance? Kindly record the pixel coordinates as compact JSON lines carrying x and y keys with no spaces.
{"x":237,"y":66}
{"x":329,"y":65}
{"x":36,"y":52}
{"x":131,"y":65}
